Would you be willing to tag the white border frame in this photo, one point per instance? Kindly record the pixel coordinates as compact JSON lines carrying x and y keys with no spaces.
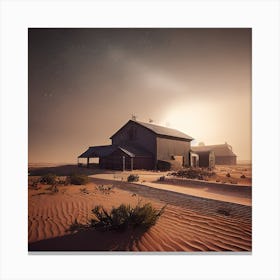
{"x":17,"y":16}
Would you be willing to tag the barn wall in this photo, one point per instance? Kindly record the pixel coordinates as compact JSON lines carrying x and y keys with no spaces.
{"x":143,"y":163}
{"x":134,"y":133}
{"x":171,"y":147}
{"x":204,"y":160}
{"x":231,"y":160}
{"x":115,"y":162}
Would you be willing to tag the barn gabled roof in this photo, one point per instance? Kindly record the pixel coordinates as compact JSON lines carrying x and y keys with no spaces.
{"x":103,"y":151}
{"x":98,"y":151}
{"x":160,"y":130}
{"x":221,"y":150}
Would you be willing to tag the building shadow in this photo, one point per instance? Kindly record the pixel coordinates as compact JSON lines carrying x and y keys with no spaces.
{"x":66,"y":170}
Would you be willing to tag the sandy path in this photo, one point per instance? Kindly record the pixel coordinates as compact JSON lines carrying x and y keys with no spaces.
{"x":222,"y":193}
{"x":188,"y":223}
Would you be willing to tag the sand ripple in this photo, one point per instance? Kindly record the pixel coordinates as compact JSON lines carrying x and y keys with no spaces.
{"x":188,"y":223}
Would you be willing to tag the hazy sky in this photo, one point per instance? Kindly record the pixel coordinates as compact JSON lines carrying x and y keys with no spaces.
{"x":84,"y":84}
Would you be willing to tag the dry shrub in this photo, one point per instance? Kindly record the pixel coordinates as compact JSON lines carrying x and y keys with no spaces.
{"x":133,"y":178}
{"x":123,"y":217}
{"x":84,"y":190}
{"x":78,"y":179}
{"x":105,"y":189}
{"x":49,"y":179}
{"x":194,"y":173}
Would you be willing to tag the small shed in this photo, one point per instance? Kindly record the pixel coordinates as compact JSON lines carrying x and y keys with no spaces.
{"x":223,"y":153}
{"x":206,"y":159}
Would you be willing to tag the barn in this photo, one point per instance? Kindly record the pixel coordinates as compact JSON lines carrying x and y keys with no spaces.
{"x":223,"y":154}
{"x":139,"y":145}
{"x":204,"y":158}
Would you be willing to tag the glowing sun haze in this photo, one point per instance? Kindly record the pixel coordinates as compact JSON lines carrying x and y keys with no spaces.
{"x":84,"y":84}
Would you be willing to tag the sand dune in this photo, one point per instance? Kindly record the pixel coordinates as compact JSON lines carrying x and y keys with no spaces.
{"x":188,"y":223}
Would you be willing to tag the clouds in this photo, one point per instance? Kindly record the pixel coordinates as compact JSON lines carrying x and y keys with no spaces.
{"x":85,"y":83}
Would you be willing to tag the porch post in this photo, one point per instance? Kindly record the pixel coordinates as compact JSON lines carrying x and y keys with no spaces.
{"x":87,"y":162}
{"x":123,"y":162}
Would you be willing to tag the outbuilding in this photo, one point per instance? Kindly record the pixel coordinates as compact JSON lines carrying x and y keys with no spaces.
{"x":223,"y":153}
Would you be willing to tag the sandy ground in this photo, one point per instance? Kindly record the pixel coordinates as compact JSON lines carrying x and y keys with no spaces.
{"x":235,"y":171}
{"x":188,"y":223}
{"x":240,"y":194}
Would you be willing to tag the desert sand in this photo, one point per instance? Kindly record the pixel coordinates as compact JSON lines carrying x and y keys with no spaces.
{"x":240,"y":194}
{"x":189,"y":223}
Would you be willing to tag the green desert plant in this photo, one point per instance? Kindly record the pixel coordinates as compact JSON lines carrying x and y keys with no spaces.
{"x":121,"y":218}
{"x":49,"y":179}
{"x":133,"y":178}
{"x":125,"y":216}
{"x":78,"y":179}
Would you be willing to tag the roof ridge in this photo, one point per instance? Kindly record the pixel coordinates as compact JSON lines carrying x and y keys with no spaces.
{"x":146,"y":125}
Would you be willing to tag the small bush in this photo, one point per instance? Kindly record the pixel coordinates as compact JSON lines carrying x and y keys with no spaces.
{"x":125,"y":216}
{"x":162,"y":178}
{"x":228,"y":175}
{"x":233,"y":182}
{"x":84,"y":190}
{"x":104,"y":189}
{"x":242,"y":176}
{"x":78,"y":179}
{"x":49,"y":179}
{"x":53,"y":188}
{"x":34,"y":185}
{"x":163,"y":165}
{"x":194,"y":173}
{"x":133,"y":178}
{"x":67,"y":181}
